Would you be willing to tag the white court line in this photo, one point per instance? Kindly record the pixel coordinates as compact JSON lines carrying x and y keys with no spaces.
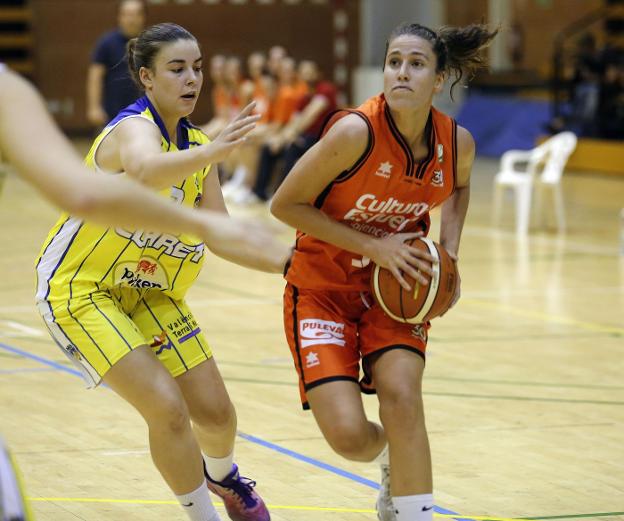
{"x":125,"y":452}
{"x":610,"y":290}
{"x":18,"y":309}
{"x":562,"y":243}
{"x":19,"y":330}
{"x":235,"y":302}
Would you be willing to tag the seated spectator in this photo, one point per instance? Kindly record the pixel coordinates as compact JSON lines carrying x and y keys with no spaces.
{"x":261,"y":88}
{"x":290,"y":91}
{"x":301,"y":132}
{"x":219,"y":97}
{"x":276,"y":54}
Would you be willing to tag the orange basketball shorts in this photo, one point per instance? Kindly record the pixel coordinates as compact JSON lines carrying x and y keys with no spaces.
{"x":331,"y":332}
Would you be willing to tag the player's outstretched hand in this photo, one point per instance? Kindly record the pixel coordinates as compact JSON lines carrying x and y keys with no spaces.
{"x":233,"y":134}
{"x":245,"y":242}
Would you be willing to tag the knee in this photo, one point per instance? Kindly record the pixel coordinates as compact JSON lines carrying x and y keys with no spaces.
{"x":401,"y":405}
{"x":215,"y":416}
{"x":171,"y":414}
{"x":350,"y":440}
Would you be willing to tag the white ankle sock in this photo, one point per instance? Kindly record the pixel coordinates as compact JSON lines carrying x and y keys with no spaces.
{"x":414,"y":508}
{"x":383,"y":458}
{"x":239,"y":176}
{"x":218,"y":468}
{"x":198,"y":506}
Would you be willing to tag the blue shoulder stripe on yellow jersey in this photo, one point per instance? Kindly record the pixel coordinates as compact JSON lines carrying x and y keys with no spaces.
{"x":141,"y":105}
{"x":79,"y":257}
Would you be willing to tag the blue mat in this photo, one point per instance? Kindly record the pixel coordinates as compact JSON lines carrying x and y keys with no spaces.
{"x":501,"y":123}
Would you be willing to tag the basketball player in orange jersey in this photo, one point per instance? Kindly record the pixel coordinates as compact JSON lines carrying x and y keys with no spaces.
{"x":355,"y":197}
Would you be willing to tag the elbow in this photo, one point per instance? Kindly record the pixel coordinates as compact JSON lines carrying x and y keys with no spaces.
{"x":85,"y":204}
{"x":286,"y":211}
{"x":94,"y":202}
{"x":141,"y":176}
{"x":142,"y":172}
{"x":276,"y":209}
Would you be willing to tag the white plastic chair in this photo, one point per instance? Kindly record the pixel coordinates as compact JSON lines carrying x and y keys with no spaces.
{"x":552,"y":156}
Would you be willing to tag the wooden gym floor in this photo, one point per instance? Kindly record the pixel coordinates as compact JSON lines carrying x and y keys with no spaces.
{"x":523,"y":390}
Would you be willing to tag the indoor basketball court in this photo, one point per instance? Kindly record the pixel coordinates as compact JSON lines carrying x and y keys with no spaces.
{"x":523,"y":389}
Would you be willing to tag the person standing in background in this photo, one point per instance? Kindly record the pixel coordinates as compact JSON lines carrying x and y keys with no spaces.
{"x":109,"y":85}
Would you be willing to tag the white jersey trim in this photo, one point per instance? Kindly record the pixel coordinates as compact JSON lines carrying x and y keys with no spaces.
{"x":52,"y":256}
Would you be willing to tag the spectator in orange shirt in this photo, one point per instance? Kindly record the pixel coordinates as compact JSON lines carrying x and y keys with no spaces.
{"x":291,"y":89}
{"x":301,"y":132}
{"x":276,"y":54}
{"x":260,"y":86}
{"x":218,"y":96}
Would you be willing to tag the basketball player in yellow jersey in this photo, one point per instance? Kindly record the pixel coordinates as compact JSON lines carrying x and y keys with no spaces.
{"x":60,"y":175}
{"x":113,"y":299}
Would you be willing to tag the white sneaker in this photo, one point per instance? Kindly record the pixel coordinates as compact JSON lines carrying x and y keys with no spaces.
{"x":244,"y":197}
{"x":229,"y":189}
{"x":385,"y":507}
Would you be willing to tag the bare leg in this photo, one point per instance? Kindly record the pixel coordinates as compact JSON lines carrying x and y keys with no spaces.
{"x":398,"y":379}
{"x":141,"y":380}
{"x":212,"y":412}
{"x":338,"y":409}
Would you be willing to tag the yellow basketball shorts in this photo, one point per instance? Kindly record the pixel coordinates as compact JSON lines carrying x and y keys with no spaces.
{"x":96,"y":330}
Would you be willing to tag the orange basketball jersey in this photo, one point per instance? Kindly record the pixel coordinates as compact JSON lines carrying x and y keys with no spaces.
{"x":387,"y":191}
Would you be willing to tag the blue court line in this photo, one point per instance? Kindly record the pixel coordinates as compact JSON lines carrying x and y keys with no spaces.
{"x":248,"y":437}
{"x":311,"y":461}
{"x":324,"y":466}
{"x":40,"y":359}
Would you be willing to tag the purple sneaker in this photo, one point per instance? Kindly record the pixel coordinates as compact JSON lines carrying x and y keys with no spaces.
{"x":241,"y":501}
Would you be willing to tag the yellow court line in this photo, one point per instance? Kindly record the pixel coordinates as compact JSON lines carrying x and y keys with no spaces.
{"x":591,"y":326}
{"x":274,"y":507}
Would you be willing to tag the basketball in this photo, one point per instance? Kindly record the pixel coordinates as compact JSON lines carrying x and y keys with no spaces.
{"x":422,"y":302}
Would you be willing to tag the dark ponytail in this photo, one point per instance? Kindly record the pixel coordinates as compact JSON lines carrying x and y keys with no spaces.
{"x":458,"y":49}
{"x":143,"y":49}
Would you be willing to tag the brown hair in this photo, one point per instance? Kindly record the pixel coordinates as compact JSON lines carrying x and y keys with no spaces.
{"x":143,"y":49}
{"x":458,"y":49}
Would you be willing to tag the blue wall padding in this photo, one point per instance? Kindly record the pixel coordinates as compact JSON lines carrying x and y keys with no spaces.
{"x":501,"y":123}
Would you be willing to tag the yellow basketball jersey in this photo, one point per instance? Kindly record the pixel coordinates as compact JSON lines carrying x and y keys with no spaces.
{"x":79,"y":257}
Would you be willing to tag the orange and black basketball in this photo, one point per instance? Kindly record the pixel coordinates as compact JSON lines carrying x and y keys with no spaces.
{"x":422,"y":302}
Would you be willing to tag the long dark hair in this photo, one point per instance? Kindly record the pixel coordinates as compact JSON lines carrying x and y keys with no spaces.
{"x":143,"y":49}
{"x":457,"y":49}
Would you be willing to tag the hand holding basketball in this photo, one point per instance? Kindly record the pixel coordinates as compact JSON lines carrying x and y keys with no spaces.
{"x":425,"y":301}
{"x":397,"y":255}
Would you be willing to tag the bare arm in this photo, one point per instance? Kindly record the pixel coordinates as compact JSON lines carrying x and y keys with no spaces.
{"x":455,"y":207}
{"x":336,"y":152}
{"x":137,"y":141}
{"x":246,"y":243}
{"x":95,"y":81}
{"x":32,"y":143}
